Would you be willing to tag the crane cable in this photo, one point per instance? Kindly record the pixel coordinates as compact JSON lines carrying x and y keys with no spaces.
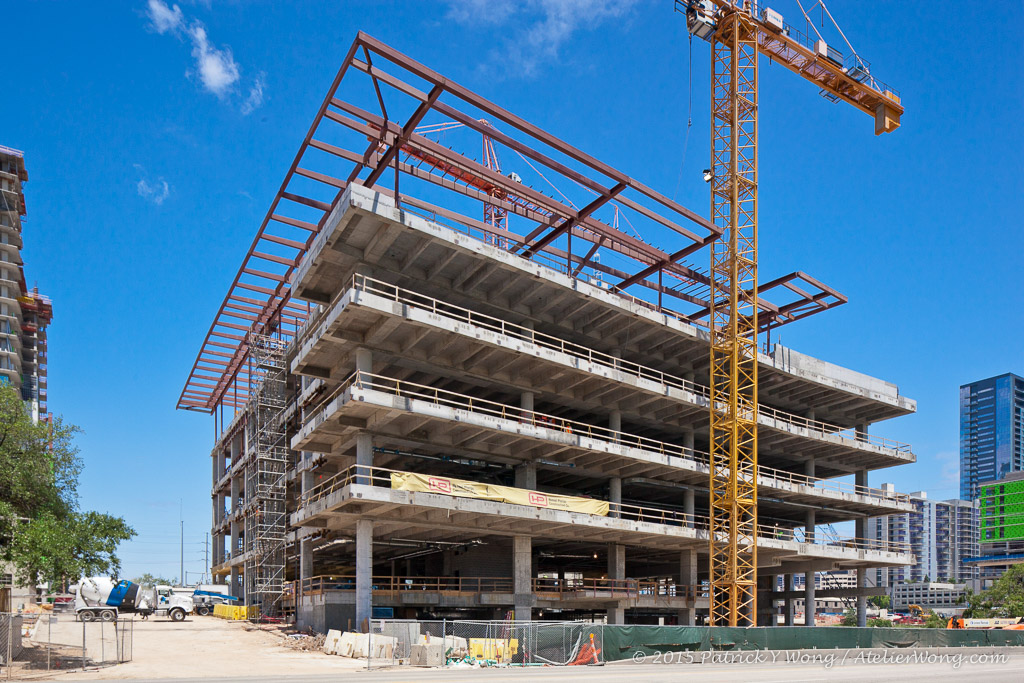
{"x":689,"y":114}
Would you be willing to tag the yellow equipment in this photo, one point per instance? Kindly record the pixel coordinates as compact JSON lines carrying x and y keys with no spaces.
{"x":739,"y":31}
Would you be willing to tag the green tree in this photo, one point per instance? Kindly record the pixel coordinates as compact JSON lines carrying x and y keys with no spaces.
{"x":880,"y":601}
{"x":973,"y":605}
{"x":880,"y":623}
{"x":1006,"y":597}
{"x":150,"y":580}
{"x":933,"y":620}
{"x":42,"y":531}
{"x":849,"y":618}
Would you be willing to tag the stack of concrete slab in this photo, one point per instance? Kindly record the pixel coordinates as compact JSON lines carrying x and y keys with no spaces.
{"x":359,"y":645}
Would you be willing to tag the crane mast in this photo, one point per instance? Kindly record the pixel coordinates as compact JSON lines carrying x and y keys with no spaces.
{"x":739,"y":31}
{"x":734,"y":326}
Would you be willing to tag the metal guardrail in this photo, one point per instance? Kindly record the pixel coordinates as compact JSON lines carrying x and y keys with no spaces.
{"x":543,"y":587}
{"x":381,"y":477}
{"x":464,"y":315}
{"x":316,"y":585}
{"x":401,"y":388}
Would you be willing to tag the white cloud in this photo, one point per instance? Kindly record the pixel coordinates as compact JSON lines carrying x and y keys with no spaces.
{"x":156,"y":191}
{"x":163,"y":18}
{"x":480,"y":11}
{"x":217,"y":68}
{"x":255,"y":99}
{"x":537,"y":28}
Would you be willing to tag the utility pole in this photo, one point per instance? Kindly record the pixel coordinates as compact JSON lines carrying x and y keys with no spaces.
{"x":206,"y":564}
{"x":181,"y":574}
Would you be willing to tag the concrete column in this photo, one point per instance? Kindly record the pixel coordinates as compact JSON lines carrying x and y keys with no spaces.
{"x":616,"y":615}
{"x":809,"y":606}
{"x":809,"y":468}
{"x":615,"y":421}
{"x":526,"y":403}
{"x":688,"y":581}
{"x":522,"y":576}
{"x":364,"y":573}
{"x":364,"y":361}
{"x":860,"y":478}
{"x":789,"y":584}
{"x":236,"y":587}
{"x":306,"y":558}
{"x":616,"y":561}
{"x":861,"y":531}
{"x":862,"y":601}
{"x":615,"y":496}
{"x":364,"y":457}
{"x":526,"y":476}
{"x":235,"y":533}
{"x":809,"y":527}
{"x":688,"y":442}
{"x":862,"y":431}
{"x":688,"y":506}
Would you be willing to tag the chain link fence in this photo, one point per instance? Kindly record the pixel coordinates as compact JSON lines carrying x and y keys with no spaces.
{"x":48,"y":641}
{"x":463,"y":644}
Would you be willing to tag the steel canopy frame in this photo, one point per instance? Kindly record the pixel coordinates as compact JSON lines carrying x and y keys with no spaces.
{"x":259,"y":298}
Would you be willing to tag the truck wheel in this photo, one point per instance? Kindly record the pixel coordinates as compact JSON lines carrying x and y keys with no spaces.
{"x":88,"y":615}
{"x":177,"y":614}
{"x":203,"y":610}
{"x":108,"y":615}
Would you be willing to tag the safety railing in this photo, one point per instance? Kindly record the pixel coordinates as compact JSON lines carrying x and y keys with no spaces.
{"x":381,"y":477}
{"x":398,"y":584}
{"x":613,"y":588}
{"x":641,"y":372}
{"x":442,"y":397}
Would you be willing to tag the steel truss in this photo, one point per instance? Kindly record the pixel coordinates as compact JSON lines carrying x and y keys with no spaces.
{"x":734,"y":329}
{"x":383,"y":145}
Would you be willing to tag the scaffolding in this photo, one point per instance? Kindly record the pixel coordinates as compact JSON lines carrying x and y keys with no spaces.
{"x":265,"y":489}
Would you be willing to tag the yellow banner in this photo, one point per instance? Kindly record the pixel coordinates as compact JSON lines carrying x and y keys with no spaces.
{"x":407,"y":481}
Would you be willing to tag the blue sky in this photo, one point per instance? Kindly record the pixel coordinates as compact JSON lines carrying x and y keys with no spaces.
{"x":155,"y":138}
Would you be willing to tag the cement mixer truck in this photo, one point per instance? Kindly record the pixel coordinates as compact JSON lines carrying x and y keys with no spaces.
{"x":101,"y":597}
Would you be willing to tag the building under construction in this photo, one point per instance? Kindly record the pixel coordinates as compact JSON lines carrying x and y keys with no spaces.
{"x":24,"y":312}
{"x":454,"y":377}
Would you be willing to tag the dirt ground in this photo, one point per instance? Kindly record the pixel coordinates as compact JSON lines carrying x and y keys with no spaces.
{"x":202,"y":647}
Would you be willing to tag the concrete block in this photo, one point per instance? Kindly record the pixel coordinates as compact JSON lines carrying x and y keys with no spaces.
{"x":427,"y":655}
{"x":358,"y":645}
{"x":332,"y":642}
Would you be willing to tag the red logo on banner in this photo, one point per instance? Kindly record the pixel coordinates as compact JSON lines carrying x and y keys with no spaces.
{"x":440,"y":485}
{"x":538,"y":499}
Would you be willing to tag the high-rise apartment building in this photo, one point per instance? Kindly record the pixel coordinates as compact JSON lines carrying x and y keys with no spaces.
{"x":24,"y":313}
{"x":941,"y":535}
{"x":24,"y":316}
{"x":991,"y":431}
{"x":1001,"y":527}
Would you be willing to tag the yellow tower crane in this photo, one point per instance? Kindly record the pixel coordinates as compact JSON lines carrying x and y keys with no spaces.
{"x":739,"y":32}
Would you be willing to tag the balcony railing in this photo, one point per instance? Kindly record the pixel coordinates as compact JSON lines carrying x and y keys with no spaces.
{"x":641,"y":372}
{"x":381,"y":477}
{"x":461,"y":585}
{"x":562,"y":426}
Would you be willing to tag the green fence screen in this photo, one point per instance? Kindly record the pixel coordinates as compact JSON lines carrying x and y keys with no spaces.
{"x":623,"y":642}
